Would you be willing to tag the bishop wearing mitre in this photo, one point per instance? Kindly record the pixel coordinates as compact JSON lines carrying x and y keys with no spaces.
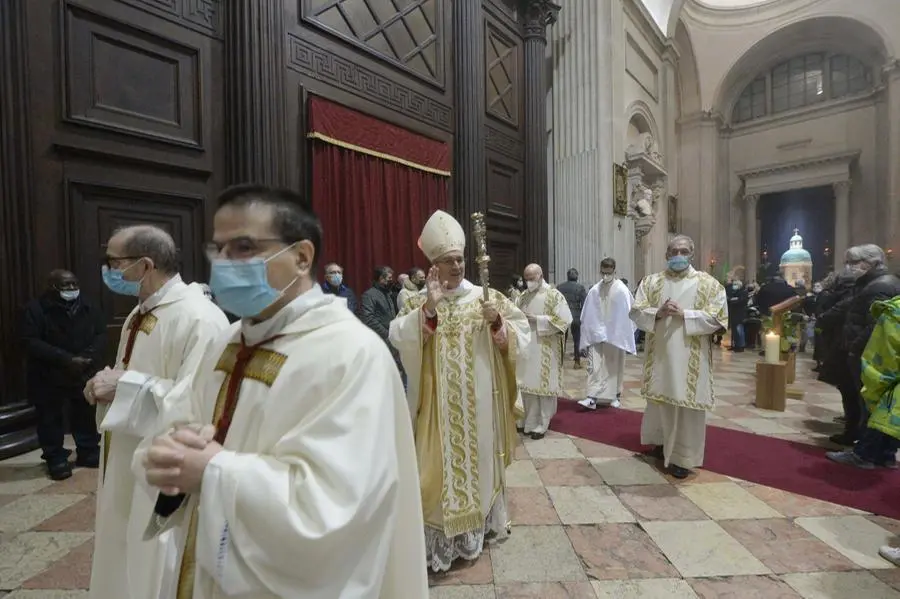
{"x":161,"y":344}
{"x":607,"y":333}
{"x":540,"y":372}
{"x":680,"y":309}
{"x":459,"y":352}
{"x":293,"y":472}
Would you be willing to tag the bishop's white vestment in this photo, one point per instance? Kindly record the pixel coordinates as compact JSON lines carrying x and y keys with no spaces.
{"x":461,"y":392}
{"x":607,"y":332}
{"x":161,"y":344}
{"x":315,"y":494}
{"x":678,"y":373}
{"x":540,"y":369}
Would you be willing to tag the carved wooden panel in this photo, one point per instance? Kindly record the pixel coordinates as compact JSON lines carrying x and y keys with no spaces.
{"x":505,"y":261}
{"x":504,"y":143}
{"x":96,"y":209}
{"x":501,"y":74}
{"x":124,"y":79}
{"x":504,"y":187}
{"x":405,"y":33}
{"x":204,"y":16}
{"x":341,"y":72}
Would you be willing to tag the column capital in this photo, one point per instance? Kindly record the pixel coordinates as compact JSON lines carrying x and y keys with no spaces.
{"x":539,"y":14}
{"x":842,"y":188}
{"x":751,"y":199}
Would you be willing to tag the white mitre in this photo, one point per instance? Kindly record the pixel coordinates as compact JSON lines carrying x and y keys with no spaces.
{"x":441,"y":234}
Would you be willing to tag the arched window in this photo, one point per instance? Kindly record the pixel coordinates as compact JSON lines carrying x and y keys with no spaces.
{"x":802,"y":81}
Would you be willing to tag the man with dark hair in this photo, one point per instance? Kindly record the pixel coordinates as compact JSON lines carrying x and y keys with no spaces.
{"x":413,"y":284}
{"x":376,"y":309}
{"x":295,"y":474}
{"x":64,"y":338}
{"x":575,"y":295}
{"x":334,"y":284}
{"x":161,"y":344}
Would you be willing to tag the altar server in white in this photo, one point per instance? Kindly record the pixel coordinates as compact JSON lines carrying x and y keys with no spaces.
{"x":680,"y":309}
{"x":540,"y":371}
{"x":607,"y":333}
{"x":161,"y":343}
{"x":293,"y":475}
{"x":460,"y":352}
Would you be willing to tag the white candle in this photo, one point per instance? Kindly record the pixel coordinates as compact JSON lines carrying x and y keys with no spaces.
{"x":773,"y":348}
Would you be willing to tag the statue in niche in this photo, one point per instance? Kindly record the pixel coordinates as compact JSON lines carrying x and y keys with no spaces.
{"x":642,"y":201}
{"x":647,"y":146}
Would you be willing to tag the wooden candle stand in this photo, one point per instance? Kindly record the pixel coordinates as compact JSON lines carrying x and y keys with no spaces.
{"x":771,"y":386}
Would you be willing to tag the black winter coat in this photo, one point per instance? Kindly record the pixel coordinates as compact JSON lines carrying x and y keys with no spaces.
{"x":876,"y":285}
{"x":53,"y":333}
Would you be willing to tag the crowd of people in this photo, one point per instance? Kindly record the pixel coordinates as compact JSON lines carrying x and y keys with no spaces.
{"x":238,"y":458}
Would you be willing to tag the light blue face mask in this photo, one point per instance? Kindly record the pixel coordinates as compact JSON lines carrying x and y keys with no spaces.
{"x":242,"y":286}
{"x":678,"y":263}
{"x":114,"y":280}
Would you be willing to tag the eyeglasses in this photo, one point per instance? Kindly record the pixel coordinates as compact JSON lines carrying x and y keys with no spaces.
{"x":239,"y":248}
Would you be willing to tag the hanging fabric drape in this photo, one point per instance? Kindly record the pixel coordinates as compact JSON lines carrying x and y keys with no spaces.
{"x":373,"y":186}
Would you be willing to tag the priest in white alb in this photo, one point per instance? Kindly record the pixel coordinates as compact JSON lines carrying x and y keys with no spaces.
{"x":540,"y":371}
{"x":293,"y":474}
{"x":161,"y":344}
{"x":607,"y":333}
{"x":459,"y":352}
{"x":680,"y":309}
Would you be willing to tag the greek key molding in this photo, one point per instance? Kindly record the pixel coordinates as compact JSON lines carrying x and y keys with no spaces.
{"x":203,"y":16}
{"x":505,"y":144}
{"x":316,"y":62}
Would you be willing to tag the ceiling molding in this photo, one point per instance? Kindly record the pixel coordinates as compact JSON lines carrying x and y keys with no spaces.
{"x":827,"y":169}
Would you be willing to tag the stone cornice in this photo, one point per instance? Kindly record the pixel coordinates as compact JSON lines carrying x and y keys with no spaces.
{"x":642,"y":19}
{"x":805,"y":113}
{"x":702,"y":117}
{"x":696,"y":11}
{"x":793,"y":165}
{"x":826,"y":169}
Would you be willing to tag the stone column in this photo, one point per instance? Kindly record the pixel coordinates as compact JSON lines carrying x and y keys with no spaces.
{"x":891,"y":79}
{"x":469,"y":161}
{"x":538,"y":15}
{"x":255,"y":122}
{"x":751,"y":236}
{"x":583,"y":221}
{"x":841,"y":221}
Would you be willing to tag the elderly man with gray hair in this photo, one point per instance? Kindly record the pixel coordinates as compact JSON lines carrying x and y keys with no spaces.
{"x":162,"y":342}
{"x":866,"y":263}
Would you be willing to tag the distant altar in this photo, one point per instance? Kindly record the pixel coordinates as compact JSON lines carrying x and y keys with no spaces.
{"x":796,"y":263}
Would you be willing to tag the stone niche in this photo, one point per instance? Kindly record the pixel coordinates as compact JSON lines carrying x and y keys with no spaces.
{"x":647,"y":179}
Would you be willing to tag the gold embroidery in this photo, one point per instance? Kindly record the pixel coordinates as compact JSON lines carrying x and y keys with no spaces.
{"x":265,"y":365}
{"x":148,"y":323}
{"x":551,"y":346}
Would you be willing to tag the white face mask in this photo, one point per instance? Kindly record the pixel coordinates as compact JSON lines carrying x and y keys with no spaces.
{"x":69,"y":295}
{"x":607,"y":278}
{"x":532,"y":285}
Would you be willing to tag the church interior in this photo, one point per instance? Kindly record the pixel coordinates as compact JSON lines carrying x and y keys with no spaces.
{"x":768,"y":131}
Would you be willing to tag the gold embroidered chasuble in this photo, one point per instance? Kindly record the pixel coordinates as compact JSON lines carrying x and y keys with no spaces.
{"x":540,"y":370}
{"x":462,"y":393}
{"x":289,"y":491}
{"x":678,"y":363}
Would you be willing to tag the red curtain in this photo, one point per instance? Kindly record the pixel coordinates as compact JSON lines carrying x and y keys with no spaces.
{"x":372,"y":202}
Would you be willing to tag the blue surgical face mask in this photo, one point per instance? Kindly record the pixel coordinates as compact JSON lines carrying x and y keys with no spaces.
{"x":242,"y":286}
{"x":69,"y":295}
{"x":335,"y":280}
{"x":678,"y":263}
{"x":115,"y":281}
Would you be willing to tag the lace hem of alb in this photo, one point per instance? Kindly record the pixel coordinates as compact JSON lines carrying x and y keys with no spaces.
{"x":441,"y":551}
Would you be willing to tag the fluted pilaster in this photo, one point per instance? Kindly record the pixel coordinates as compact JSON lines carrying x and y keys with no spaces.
{"x":583,"y":222}
{"x":539,"y":14}
{"x":469,"y":161}
{"x":255,"y":93}
{"x":841,"y":221}
{"x":891,"y":75}
{"x":751,"y":236}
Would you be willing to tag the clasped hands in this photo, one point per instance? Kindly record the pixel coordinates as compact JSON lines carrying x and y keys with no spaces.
{"x":176,"y":461}
{"x":102,"y":386}
{"x":669,"y":308}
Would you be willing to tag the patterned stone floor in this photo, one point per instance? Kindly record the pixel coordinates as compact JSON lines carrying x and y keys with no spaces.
{"x":591,"y":521}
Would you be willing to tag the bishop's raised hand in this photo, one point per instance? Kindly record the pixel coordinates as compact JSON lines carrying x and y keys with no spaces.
{"x":435,"y":288}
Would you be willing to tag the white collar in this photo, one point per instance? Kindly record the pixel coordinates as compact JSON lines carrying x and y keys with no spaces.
{"x":464,"y":287}
{"x":156,"y":298}
{"x":256,"y":332}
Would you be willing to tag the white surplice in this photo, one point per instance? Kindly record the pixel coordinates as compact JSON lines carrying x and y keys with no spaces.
{"x":678,"y":374}
{"x":462,"y":369}
{"x":315,"y":495}
{"x":607,"y":332}
{"x":540,"y":369}
{"x":180,"y":324}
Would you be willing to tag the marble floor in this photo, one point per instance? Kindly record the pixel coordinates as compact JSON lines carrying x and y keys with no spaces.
{"x":590,"y":521}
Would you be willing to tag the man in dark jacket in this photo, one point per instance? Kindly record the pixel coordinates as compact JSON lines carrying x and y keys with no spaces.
{"x":737,"y":312}
{"x":334,"y":284}
{"x":575,"y":294}
{"x":377,"y":308}
{"x":64,"y":338}
{"x":775,"y":291}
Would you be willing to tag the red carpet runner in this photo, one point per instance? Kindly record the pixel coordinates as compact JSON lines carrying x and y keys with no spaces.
{"x":786,"y":465}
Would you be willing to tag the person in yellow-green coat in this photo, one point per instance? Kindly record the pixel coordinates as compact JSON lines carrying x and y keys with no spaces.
{"x":880,"y":377}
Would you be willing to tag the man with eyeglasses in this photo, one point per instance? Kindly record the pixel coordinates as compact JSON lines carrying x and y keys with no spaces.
{"x":161,"y":344}
{"x":294,"y":473}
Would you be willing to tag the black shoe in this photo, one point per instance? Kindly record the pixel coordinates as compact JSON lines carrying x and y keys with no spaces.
{"x":520,"y":430}
{"x":88,"y":459}
{"x":537,"y":436}
{"x":678,"y":471}
{"x":842,"y":439}
{"x":655,"y":452}
{"x":59,"y":470}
